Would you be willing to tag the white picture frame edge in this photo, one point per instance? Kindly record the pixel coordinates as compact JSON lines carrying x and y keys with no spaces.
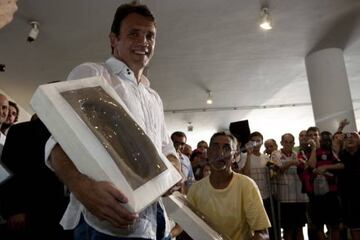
{"x":192,"y":224}
{"x":61,"y":119}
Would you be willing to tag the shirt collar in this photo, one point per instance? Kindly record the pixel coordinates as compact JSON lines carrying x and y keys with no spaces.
{"x":120,"y":68}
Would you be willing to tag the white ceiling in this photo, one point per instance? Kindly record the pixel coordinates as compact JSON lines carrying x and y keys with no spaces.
{"x":202,"y":45}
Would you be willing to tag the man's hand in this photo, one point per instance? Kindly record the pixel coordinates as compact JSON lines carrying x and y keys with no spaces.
{"x":175,"y":231}
{"x":101,"y":198}
{"x":176,"y":163}
{"x":104,"y":201}
{"x":343,"y":124}
{"x":17,"y":222}
{"x":249,"y":147}
{"x":312,"y":144}
{"x":321,"y":170}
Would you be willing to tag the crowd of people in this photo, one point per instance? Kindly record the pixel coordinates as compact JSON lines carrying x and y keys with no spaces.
{"x":245,"y":195}
{"x":312,"y":183}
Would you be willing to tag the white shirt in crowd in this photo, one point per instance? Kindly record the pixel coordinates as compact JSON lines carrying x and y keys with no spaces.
{"x":259,"y":173}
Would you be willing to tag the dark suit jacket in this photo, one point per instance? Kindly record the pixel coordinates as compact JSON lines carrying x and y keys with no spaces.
{"x":33,"y":189}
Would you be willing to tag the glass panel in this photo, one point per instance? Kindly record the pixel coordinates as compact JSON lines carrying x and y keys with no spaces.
{"x":128,"y":145}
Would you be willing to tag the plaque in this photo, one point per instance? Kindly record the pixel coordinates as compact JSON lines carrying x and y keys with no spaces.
{"x":99,"y":134}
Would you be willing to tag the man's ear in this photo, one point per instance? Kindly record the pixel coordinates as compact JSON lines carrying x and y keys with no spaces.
{"x":236,"y":155}
{"x":113,"y":39}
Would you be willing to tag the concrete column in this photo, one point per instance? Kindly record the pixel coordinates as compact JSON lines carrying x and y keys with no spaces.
{"x":329,"y":89}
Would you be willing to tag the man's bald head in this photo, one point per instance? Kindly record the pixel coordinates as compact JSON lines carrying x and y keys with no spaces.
{"x":4,"y":108}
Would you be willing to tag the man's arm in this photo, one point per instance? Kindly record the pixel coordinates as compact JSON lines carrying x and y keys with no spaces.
{"x":286,"y":165}
{"x":246,"y":170}
{"x":101,"y":198}
{"x":175,"y":161}
{"x":343,"y":124}
{"x":324,"y":168}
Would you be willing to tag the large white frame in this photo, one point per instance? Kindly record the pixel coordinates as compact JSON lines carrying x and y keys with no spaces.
{"x":84,"y":148}
{"x":192,"y":223}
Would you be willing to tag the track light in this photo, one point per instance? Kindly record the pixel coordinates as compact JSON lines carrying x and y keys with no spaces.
{"x":190,"y":127}
{"x":265,"y":22}
{"x":34,"y":32}
{"x":209,"y":99}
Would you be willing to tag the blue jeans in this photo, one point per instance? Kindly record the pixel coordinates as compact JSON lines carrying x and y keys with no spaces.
{"x":84,"y":232}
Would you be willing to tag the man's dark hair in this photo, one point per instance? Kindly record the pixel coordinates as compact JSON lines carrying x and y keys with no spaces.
{"x":256,"y":134}
{"x":287,"y":134}
{"x":13,"y":104}
{"x":326,"y":134}
{"x":195,"y":153}
{"x":178,"y":134}
{"x":126,"y":9}
{"x":201,"y":142}
{"x":312,"y":129}
{"x":229,"y":135}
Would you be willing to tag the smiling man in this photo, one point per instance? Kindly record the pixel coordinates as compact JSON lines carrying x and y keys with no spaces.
{"x":95,"y":210}
{"x":230,"y":201}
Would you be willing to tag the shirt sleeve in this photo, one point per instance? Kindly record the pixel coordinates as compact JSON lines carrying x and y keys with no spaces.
{"x":82,"y":71}
{"x":255,"y":211}
{"x":50,"y":144}
{"x":167,"y":144}
{"x":87,"y":70}
{"x":191,"y":195}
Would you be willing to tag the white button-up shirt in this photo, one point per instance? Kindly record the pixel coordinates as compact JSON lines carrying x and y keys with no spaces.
{"x":146,"y":106}
{"x":186,"y":169}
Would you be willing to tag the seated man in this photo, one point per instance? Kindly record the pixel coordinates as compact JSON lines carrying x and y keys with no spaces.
{"x":231,"y":201}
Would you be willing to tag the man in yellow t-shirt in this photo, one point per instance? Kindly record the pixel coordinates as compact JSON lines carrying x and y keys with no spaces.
{"x":230,"y":201}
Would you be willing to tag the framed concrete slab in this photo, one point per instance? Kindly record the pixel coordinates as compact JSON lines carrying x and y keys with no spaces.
{"x":101,"y":137}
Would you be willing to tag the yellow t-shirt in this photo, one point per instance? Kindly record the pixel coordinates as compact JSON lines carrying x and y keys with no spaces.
{"x":236,"y":211}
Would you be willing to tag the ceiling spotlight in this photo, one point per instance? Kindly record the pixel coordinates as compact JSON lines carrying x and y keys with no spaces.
{"x":265,"y":22}
{"x":2,"y":67}
{"x":190,"y":127}
{"x":209,"y":99}
{"x":34,"y":32}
